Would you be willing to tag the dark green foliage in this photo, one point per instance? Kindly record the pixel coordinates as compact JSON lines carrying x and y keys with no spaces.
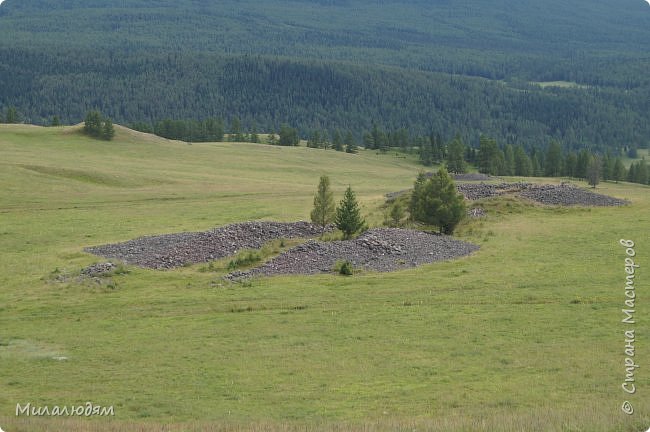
{"x":348,"y":215}
{"x":98,"y":126}
{"x":344,"y":268}
{"x":490,"y":156}
{"x":618,"y":172}
{"x":396,"y":214}
{"x":288,"y":136}
{"x":456,"y":156}
{"x":523,"y":164}
{"x":108,"y":131}
{"x":64,"y":57}
{"x":639,"y":172}
{"x":594,"y":171}
{"x":244,"y":260}
{"x":11,"y":116}
{"x":553,"y":160}
{"x":436,"y":202}
{"x":55,"y":121}
{"x":93,"y":124}
{"x":337,"y":141}
{"x":350,"y":143}
{"x":324,"y":210}
{"x":209,"y":130}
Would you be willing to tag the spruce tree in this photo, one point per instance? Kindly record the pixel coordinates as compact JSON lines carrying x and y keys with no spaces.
{"x":348,"y":215}
{"x":455,"y":156}
{"x":618,"y":172}
{"x":594,"y":171}
{"x":350,"y":143}
{"x":337,"y":141}
{"x":437,"y":202}
{"x":108,"y":131}
{"x":553,"y":160}
{"x":324,"y":210}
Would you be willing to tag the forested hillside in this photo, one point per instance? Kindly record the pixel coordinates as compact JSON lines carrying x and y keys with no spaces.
{"x":449,"y":67}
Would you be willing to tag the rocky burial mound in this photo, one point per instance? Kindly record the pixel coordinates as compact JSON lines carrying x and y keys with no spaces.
{"x":379,"y":249}
{"x":175,"y":250}
{"x":563,"y":194}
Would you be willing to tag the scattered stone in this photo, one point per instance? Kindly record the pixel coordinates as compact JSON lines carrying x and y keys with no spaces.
{"x":175,"y":250}
{"x":564,"y":194}
{"x":98,"y":270}
{"x":569,"y":195}
{"x":379,"y":249}
{"x":476,"y":212}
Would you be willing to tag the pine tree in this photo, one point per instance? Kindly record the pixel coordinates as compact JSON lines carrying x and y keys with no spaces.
{"x":350,"y":143}
{"x":594,"y":169}
{"x":108,"y":131}
{"x":55,"y":121}
{"x":553,"y":160}
{"x":523,"y":166}
{"x":455,"y":156}
{"x":437,"y":202}
{"x":509,"y":156}
{"x":12,"y":115}
{"x":348,"y":215}
{"x":93,"y":124}
{"x":337,"y":141}
{"x":618,"y":172}
{"x":324,"y":210}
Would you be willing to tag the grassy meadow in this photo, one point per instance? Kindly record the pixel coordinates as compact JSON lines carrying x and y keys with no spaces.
{"x":524,"y":335}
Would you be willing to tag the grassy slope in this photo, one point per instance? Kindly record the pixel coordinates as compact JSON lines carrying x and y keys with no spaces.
{"x":524,"y":335}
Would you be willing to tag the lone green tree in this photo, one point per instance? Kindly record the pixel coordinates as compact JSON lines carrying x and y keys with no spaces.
{"x":108,"y":131}
{"x":456,"y":156}
{"x":618,"y":172}
{"x":324,"y":209}
{"x":97,"y":126}
{"x":436,"y":202}
{"x":12,"y":115}
{"x":594,"y":169}
{"x":348,"y":215}
{"x":350,"y":143}
{"x":93,"y":123}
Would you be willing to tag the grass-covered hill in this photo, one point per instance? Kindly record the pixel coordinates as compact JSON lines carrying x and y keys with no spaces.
{"x":339,"y":64}
{"x":524,"y":335}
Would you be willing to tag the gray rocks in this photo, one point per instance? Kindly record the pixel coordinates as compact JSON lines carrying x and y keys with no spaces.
{"x":564,"y":194}
{"x":98,"y":270}
{"x":175,"y":250}
{"x":471,"y":177}
{"x":379,"y":249}
{"x":569,"y":195}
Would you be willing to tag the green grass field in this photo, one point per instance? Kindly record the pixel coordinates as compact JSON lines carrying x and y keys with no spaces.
{"x":524,"y":335}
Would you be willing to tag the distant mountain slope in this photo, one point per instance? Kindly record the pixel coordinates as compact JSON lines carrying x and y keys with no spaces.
{"x":492,"y":38}
{"x":339,"y":64}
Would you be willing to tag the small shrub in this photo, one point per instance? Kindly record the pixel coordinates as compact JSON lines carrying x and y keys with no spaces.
{"x":344,"y":268}
{"x":244,"y":260}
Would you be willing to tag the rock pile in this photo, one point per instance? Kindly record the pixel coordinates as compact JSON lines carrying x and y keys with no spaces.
{"x":98,"y":270}
{"x":379,"y":249}
{"x":175,"y":250}
{"x":568,"y":195}
{"x":563,"y":194}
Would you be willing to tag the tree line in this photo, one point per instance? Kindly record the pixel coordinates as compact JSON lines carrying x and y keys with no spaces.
{"x":264,"y":93}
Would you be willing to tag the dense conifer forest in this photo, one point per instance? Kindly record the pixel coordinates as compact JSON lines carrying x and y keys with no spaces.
{"x":522,"y":72}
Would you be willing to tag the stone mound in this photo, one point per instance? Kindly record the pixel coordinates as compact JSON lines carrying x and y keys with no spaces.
{"x":175,"y":250}
{"x":379,"y":249}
